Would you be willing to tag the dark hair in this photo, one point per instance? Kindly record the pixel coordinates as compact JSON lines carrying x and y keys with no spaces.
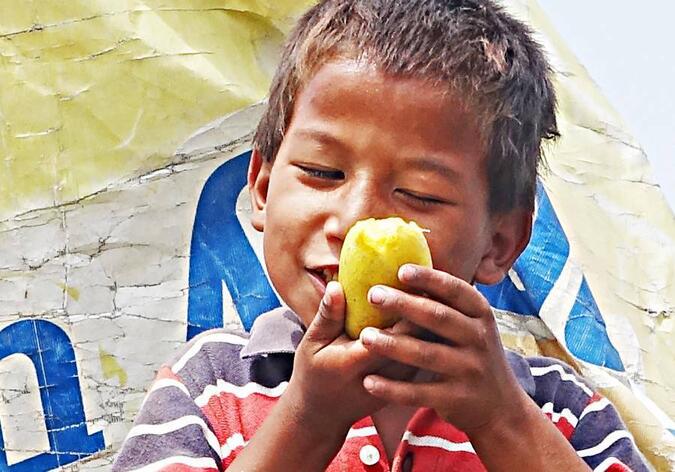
{"x":471,"y":47}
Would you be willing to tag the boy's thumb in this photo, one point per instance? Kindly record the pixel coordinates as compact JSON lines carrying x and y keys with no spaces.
{"x":329,"y":322}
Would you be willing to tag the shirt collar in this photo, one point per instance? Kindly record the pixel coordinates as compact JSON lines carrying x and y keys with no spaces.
{"x":279,"y":332}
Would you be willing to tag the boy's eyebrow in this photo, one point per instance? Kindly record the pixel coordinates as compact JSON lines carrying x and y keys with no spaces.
{"x":429,"y":164}
{"x":323,"y":137}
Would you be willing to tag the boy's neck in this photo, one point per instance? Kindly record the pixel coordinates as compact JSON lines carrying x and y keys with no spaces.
{"x":391,"y":423}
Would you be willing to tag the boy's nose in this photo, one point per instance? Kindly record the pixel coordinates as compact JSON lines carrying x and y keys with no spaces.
{"x":361,"y":202}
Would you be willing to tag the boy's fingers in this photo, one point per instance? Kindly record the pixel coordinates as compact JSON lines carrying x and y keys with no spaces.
{"x":395,"y":370}
{"x":445,"y":288}
{"x":429,"y":314}
{"x":329,"y":321}
{"x":404,"y":326}
{"x":400,"y":392}
{"x":408,"y":350}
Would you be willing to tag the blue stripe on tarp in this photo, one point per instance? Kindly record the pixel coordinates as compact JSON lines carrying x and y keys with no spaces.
{"x":220,"y":252}
{"x":539,"y":267}
{"x":586,"y":332}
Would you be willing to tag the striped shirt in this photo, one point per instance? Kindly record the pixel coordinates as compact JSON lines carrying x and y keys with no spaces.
{"x":211,"y":398}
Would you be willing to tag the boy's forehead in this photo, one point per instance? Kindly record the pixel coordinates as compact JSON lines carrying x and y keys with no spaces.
{"x":350,"y":92}
{"x":362,"y":77}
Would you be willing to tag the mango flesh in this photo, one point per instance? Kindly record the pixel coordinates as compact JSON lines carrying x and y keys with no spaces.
{"x":372,"y":253}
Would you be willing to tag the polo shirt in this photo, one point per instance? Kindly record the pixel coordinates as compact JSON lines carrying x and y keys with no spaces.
{"x":209,"y":400}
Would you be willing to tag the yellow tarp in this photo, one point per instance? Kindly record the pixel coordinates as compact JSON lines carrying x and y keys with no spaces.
{"x":92,"y":92}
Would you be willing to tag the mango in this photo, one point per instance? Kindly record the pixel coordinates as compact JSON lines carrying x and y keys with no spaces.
{"x":372,"y":253}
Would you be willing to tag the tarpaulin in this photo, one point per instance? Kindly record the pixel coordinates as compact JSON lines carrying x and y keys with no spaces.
{"x":124,"y":229}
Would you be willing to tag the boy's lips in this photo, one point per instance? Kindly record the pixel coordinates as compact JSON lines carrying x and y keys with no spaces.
{"x":321,"y":275}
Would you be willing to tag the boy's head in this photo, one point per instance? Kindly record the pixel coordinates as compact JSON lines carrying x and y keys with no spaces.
{"x":469,"y":48}
{"x":430,"y":110}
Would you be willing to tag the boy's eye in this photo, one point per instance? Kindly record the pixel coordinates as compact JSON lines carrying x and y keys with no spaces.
{"x":421,"y":198}
{"x":329,"y":174}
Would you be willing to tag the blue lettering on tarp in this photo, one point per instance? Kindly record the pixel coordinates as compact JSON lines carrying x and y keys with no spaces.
{"x":539,"y":267}
{"x":220,"y":251}
{"x":51,"y":352}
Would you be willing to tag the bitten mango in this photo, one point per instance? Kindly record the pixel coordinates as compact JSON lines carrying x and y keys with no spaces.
{"x":372,"y":253}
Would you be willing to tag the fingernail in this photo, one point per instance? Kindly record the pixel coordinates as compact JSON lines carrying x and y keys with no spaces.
{"x":406,"y":272}
{"x":331,"y":288}
{"x":368,"y":383}
{"x":368,"y":335}
{"x":377,"y":295}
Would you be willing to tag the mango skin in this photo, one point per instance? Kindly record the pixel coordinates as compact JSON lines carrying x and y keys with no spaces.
{"x":372,"y":253}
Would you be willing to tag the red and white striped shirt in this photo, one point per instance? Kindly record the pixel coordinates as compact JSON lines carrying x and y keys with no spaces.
{"x":209,"y":401}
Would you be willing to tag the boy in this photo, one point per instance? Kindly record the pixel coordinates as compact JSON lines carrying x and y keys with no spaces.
{"x":432,"y":110}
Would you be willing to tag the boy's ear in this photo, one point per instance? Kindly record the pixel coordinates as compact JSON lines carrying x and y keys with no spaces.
{"x":258,"y":184}
{"x":510,"y":234}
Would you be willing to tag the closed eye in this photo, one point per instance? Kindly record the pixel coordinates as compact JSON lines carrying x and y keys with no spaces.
{"x":422,"y":199}
{"x":328,"y":174}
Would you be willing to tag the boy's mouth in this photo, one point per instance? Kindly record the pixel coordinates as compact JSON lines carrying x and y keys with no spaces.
{"x":326,"y":273}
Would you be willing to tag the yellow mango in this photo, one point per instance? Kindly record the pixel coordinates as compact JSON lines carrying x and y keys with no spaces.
{"x":372,"y":253}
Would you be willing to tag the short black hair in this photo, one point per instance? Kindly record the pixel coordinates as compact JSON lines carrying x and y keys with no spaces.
{"x":473,"y":48}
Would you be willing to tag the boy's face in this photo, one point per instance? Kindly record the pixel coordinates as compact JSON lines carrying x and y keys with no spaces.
{"x":362,"y":144}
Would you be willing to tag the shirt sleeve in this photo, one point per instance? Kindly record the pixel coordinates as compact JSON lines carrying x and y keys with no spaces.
{"x":602,"y":440}
{"x":588,"y":420}
{"x":170,"y":432}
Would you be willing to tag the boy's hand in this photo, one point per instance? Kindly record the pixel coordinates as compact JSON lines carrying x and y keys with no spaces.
{"x":326,"y":387}
{"x":324,"y":397}
{"x":473,"y":385}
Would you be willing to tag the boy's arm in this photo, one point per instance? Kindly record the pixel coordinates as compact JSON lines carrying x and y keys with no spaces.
{"x":599,"y":436}
{"x":289,"y":440}
{"x":295,"y":436}
{"x":473,"y":387}
{"x":524,"y":439}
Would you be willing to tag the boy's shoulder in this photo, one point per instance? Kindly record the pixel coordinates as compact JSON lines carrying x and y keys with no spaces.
{"x":583,"y":415}
{"x":549,"y":380}
{"x":588,"y":420}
